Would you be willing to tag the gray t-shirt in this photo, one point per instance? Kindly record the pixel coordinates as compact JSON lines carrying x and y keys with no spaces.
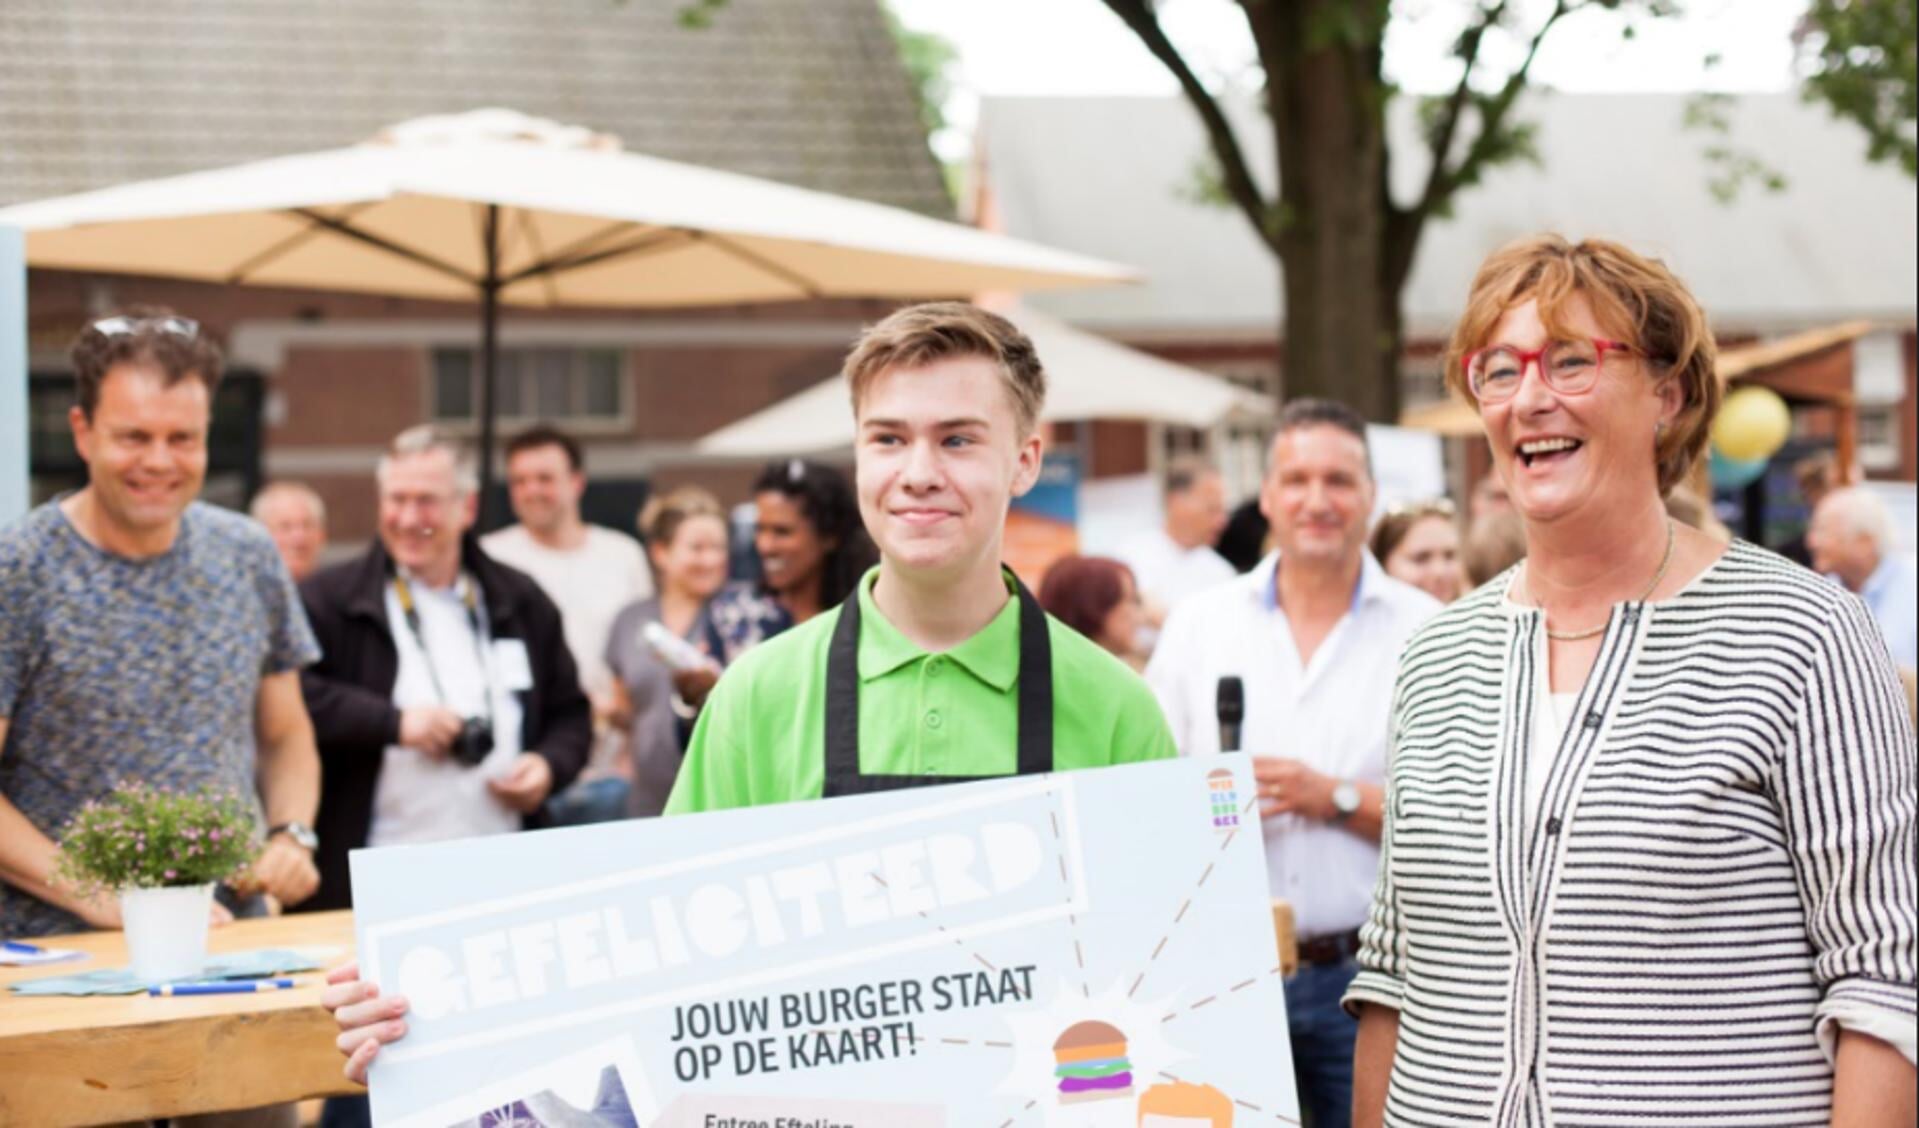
{"x":653,"y":736}
{"x":114,"y":669}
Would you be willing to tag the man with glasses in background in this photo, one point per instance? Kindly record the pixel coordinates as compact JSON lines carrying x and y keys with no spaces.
{"x":447,"y":703}
{"x":1313,"y":634}
{"x":147,"y":636}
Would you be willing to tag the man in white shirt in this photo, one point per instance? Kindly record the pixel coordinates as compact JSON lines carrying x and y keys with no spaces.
{"x":591,"y":573}
{"x":1177,"y":560}
{"x":1852,"y":539}
{"x":1314,"y":634}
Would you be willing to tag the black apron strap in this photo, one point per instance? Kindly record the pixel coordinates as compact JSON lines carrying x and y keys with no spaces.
{"x":1035,"y":693}
{"x":1034,"y":689}
{"x":843,"y":696}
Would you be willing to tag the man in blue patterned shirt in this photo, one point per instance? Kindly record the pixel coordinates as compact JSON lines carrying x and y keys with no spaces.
{"x":145,"y":635}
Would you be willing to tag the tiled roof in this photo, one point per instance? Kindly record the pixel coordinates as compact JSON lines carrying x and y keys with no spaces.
{"x":810,"y":92}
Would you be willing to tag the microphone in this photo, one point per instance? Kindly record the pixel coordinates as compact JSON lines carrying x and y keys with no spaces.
{"x":1230,"y":703}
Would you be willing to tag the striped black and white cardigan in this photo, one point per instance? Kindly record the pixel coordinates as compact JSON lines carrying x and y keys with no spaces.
{"x":1721,"y":870}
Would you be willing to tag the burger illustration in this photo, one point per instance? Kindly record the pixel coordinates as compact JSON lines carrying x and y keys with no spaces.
{"x":1225,"y":799}
{"x":1092,"y":1063}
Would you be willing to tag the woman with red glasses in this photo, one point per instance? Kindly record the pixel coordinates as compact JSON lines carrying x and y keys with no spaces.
{"x":1649,"y":845}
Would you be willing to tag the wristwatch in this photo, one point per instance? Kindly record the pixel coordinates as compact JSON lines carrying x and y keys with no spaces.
{"x":1345,"y":800}
{"x":301,"y":833}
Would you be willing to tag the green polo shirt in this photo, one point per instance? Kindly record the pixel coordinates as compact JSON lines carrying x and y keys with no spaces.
{"x":762,"y":736}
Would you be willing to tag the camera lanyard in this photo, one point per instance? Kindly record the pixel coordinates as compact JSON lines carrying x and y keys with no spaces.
{"x":474,"y":620}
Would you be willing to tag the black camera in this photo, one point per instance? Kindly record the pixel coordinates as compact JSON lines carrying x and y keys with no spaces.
{"x":475,"y":742}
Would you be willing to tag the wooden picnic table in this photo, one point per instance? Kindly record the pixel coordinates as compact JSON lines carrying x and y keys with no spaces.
{"x":106,"y":1059}
{"x":1287,"y":939}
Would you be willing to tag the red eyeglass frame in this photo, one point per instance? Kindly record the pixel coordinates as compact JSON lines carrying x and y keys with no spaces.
{"x":1535,"y":358}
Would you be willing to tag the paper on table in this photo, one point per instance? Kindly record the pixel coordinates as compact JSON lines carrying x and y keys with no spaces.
{"x":32,"y":956}
{"x":122,"y":981}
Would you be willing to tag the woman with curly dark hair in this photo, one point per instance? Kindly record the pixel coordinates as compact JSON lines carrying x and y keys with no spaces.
{"x":812,"y":547}
{"x":812,"y":550}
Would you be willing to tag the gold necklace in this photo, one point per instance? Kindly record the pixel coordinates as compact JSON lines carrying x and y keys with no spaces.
{"x":1665,"y":562}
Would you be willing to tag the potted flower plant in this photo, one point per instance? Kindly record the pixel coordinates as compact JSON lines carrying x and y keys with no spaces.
{"x":161,"y":852}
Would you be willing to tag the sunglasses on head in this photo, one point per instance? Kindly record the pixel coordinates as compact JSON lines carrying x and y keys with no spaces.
{"x":1436,"y":507}
{"x":185,"y":328}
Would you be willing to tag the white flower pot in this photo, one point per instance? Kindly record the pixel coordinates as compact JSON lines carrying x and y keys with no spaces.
{"x":167,"y":931}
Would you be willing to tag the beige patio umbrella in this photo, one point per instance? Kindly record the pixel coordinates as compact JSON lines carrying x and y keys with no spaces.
{"x":1451,"y":418}
{"x":1087,"y":377}
{"x":506,"y":209}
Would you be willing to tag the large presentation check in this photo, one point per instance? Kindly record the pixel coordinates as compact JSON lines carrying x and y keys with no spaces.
{"x":1089,"y":949}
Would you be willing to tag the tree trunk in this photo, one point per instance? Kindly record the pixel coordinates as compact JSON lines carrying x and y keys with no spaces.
{"x":1327,"y":106}
{"x":1392,"y":346}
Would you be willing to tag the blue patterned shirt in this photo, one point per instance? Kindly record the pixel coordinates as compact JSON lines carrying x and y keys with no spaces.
{"x":744,"y":615}
{"x":113,"y":668}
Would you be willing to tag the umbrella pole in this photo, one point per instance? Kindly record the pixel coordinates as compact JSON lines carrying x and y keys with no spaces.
{"x":489,"y":361}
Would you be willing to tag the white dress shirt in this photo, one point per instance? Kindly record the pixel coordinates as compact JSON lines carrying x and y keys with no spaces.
{"x":590,"y":585}
{"x":422,"y":798}
{"x":1332,"y":713}
{"x":1169,"y":574}
{"x":1892,"y":594}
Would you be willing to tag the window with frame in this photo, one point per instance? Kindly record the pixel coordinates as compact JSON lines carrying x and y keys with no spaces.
{"x":536,"y":384}
{"x":1878,"y":436}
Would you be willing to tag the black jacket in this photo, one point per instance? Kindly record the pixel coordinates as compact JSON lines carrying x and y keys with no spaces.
{"x":349,"y":693}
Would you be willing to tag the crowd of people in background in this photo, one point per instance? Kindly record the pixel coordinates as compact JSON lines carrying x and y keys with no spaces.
{"x":1123,"y":600}
{"x":1361,"y":579}
{"x":681,"y":572}
{"x":441,"y":684}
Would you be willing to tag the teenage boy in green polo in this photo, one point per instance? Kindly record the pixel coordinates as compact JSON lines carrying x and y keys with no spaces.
{"x":943,"y":667}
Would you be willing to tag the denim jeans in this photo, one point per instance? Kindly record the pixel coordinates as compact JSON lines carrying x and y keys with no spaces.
{"x":1323,"y":1036}
{"x":346,"y":1112}
{"x":590,"y":801}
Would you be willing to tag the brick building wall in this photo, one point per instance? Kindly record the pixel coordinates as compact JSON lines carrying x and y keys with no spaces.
{"x":343,"y":373}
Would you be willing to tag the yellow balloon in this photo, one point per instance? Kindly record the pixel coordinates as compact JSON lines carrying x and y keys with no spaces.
{"x":1753,"y":423}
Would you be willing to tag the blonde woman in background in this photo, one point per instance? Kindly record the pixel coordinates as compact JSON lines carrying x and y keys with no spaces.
{"x":1419,"y":544}
{"x":685,"y":535}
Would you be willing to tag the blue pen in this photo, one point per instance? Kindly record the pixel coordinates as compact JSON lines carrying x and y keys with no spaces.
{"x":22,"y":949}
{"x":231,"y":987}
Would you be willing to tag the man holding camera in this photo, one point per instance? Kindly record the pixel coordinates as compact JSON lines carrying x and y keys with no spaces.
{"x":446,"y":704}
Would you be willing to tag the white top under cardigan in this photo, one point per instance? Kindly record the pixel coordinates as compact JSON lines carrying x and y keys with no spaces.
{"x":1332,"y":713}
{"x":1722,"y":871}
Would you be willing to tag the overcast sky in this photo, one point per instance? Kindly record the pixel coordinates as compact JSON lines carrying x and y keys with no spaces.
{"x":1063,"y":47}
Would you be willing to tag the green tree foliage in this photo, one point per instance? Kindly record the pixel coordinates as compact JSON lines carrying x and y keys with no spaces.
{"x":1345,"y":244}
{"x":1861,"y":59}
{"x":699,"y":13}
{"x":929,"y":59}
